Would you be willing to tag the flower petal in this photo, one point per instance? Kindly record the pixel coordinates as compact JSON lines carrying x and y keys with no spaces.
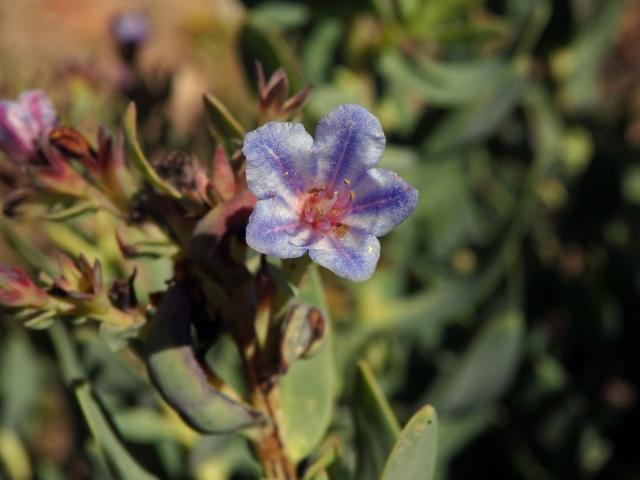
{"x":382,"y":201}
{"x":278,"y":155}
{"x":354,"y":256}
{"x":41,"y":111}
{"x":349,"y":140}
{"x":274,"y":229}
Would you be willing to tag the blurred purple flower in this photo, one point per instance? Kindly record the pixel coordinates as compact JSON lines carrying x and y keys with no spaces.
{"x":130,"y":28}
{"x":24,"y":122}
{"x":323,"y":196}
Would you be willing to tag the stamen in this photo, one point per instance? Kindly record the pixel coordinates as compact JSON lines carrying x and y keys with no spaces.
{"x":324,"y":212}
{"x":332,"y":202}
{"x":340,"y":229}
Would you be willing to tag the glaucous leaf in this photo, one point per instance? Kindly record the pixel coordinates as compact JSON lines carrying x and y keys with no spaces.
{"x":183,"y":383}
{"x":414,"y":455}
{"x":307,"y":389}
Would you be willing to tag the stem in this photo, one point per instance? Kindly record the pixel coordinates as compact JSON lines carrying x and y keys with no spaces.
{"x":264,"y":397}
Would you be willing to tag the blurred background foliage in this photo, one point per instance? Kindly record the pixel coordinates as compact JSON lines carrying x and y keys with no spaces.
{"x":509,"y":300}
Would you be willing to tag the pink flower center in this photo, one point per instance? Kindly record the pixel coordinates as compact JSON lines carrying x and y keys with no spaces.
{"x":323,"y":210}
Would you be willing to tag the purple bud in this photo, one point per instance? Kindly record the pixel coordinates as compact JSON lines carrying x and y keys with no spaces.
{"x":130,"y":29}
{"x":24,"y":122}
{"x":17,"y":290}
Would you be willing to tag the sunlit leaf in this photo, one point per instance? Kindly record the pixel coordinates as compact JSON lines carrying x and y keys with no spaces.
{"x":414,"y":455}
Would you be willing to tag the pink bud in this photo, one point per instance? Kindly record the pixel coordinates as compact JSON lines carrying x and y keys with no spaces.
{"x":17,"y":290}
{"x":224,"y":182}
{"x":59,"y":176}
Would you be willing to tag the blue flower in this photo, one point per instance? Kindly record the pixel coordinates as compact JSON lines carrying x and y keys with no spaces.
{"x":324,"y":196}
{"x":24,"y":122}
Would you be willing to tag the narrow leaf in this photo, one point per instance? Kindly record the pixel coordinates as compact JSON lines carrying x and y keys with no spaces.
{"x":486,"y":368}
{"x":97,"y":421}
{"x":224,"y":124}
{"x":138,"y":158}
{"x":377,"y":428}
{"x":414,"y":455}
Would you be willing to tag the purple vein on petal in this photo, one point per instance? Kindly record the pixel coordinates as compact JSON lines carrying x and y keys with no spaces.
{"x":347,"y":143}
{"x":342,"y":251}
{"x":377,"y":202}
{"x":284,"y":227}
{"x":285,"y":172}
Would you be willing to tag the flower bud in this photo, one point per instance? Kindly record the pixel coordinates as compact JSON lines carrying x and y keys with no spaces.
{"x":130,"y":30}
{"x":275,"y":103}
{"x":303,"y":332}
{"x":18,"y":291}
{"x":224,"y":181}
{"x":23,"y":123}
{"x":55,"y":174}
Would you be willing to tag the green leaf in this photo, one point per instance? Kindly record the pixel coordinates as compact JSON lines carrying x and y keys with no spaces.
{"x":20,"y":380}
{"x":13,"y":455}
{"x":107,"y":440}
{"x":178,"y":375}
{"x":75,"y":210}
{"x":224,"y":124}
{"x":219,"y":457}
{"x":224,"y":359}
{"x":111,"y":373}
{"x":21,"y":242}
{"x":283,"y":15}
{"x":269,"y":47}
{"x":307,"y":389}
{"x":320,"y":48}
{"x":41,"y":320}
{"x":327,"y":455}
{"x":144,"y":425}
{"x":414,"y":455}
{"x":138,"y":158}
{"x":631,"y":184}
{"x":442,"y":84}
{"x":377,"y":428}
{"x":116,"y":337}
{"x":579,"y":65}
{"x":485,"y":369}
{"x":478,"y":120}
